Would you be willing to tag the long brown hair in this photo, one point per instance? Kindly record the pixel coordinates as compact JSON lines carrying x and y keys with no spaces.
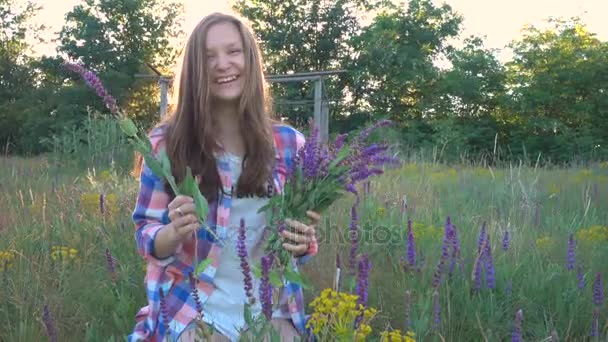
{"x":190,"y":134}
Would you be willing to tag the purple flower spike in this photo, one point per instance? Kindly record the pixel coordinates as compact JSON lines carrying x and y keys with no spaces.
{"x":436,"y":311}
{"x":516,"y":336}
{"x":581,"y":277}
{"x":478,"y":272}
{"x":49,"y":324}
{"x":505,"y":241}
{"x":102,"y":207}
{"x":111,"y":264}
{"x":408,"y":309}
{"x":362,"y":288}
{"x":195,"y":296}
{"x":447,"y":239}
{"x":490,"y":272}
{"x":571,"y":253}
{"x":94,"y":82}
{"x":364,"y":267}
{"x":598,"y":290}
{"x":455,"y":251}
{"x":266,"y":286}
{"x":595,"y":324}
{"x":354,"y":235}
{"x":411,"y":246}
{"x":245,"y":268}
{"x":482,"y":238}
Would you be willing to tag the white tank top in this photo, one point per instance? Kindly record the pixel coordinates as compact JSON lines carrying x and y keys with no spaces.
{"x":224,"y":308}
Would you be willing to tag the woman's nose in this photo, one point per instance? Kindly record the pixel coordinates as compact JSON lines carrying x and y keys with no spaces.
{"x":222,"y":62}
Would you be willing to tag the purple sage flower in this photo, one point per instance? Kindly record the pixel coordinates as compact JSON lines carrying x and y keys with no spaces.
{"x":111,"y":264}
{"x":408,"y":309}
{"x":505,"y":241}
{"x":354,"y":235}
{"x":482,"y":238}
{"x":411,"y":245}
{"x":595,"y":324}
{"x":581,"y":277}
{"x":245,"y":268}
{"x":571,"y":261}
{"x":102,"y":207}
{"x":363,"y":269}
{"x":266,"y":287}
{"x":49,"y":324}
{"x":455,"y":252}
{"x":598,"y":290}
{"x":364,"y":266}
{"x":195,"y":296}
{"x":477,"y":266}
{"x":490,"y":272}
{"x":164,"y":313}
{"x":436,"y":311}
{"x":516,"y":336}
{"x":447,"y":239}
{"x":94,"y":82}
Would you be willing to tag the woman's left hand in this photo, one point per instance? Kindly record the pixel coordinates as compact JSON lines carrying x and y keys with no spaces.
{"x":298,"y":242}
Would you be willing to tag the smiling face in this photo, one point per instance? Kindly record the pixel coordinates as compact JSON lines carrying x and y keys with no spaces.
{"x":226,"y":62}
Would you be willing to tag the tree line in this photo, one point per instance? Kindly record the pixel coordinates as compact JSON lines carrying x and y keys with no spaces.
{"x":550,"y":99}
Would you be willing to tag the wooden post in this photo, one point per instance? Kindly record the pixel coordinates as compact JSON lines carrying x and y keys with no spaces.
{"x":318,"y":121}
{"x":164,"y":89}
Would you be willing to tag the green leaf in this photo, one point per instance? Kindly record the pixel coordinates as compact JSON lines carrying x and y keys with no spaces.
{"x":154,"y":165}
{"x":202,"y":266}
{"x":257,"y":270}
{"x":248,"y":316}
{"x":296,"y":278}
{"x":275,"y":279}
{"x":165,"y":163}
{"x":186,"y":185}
{"x":128,"y":127}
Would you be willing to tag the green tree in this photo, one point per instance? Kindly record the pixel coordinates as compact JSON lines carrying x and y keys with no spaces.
{"x":117,"y":38}
{"x":558,"y":83}
{"x":305,"y":35}
{"x":17,"y":76}
{"x":475,"y":83}
{"x":394,"y":70}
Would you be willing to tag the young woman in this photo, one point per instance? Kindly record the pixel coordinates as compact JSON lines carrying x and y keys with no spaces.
{"x":222,"y":129}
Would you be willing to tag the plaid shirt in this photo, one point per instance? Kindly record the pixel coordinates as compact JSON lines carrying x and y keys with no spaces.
{"x":171,"y":274}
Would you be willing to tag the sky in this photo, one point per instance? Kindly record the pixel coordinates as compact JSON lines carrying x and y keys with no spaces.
{"x":498,"y":21}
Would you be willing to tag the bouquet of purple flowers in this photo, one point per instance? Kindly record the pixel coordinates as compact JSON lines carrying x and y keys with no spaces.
{"x":321,"y":175}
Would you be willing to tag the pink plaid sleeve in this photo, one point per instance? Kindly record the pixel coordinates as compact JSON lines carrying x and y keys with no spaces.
{"x":150,"y":213}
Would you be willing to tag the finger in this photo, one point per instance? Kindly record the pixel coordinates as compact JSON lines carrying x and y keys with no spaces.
{"x":187,"y":230}
{"x":180,"y":200}
{"x":298,"y":238}
{"x":301,"y":227}
{"x":188,"y":208}
{"x":183,"y":210}
{"x":184,"y":221}
{"x":295,"y":249}
{"x":314,"y":216}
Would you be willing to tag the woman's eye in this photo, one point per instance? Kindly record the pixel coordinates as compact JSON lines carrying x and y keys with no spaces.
{"x":233,"y":52}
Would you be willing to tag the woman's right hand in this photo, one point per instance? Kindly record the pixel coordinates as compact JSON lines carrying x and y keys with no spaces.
{"x":183,"y":217}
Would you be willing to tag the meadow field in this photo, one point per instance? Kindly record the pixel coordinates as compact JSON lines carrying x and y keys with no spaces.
{"x":523,"y":239}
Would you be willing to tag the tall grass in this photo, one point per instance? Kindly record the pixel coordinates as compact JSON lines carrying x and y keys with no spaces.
{"x":538,"y":206}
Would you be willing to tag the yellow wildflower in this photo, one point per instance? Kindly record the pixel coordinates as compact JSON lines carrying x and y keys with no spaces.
{"x":7,"y":259}
{"x":105,"y":176}
{"x":334,"y":314}
{"x":92,"y":202}
{"x":380,"y":211}
{"x":396,"y":336}
{"x":545,"y":242}
{"x":593,"y":234}
{"x":63,"y":253}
